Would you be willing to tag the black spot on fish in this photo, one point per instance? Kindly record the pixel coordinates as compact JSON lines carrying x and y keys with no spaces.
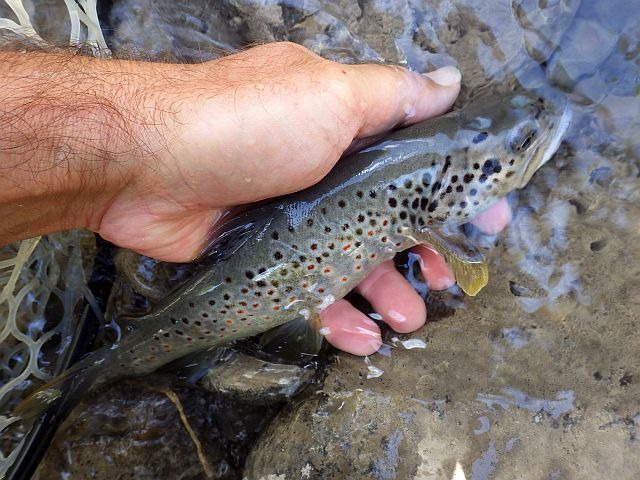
{"x":228,"y":279}
{"x":426,"y":179}
{"x":291,"y":229}
{"x":372,"y":194}
{"x":408,"y":184}
{"x":512,"y":161}
{"x":359,"y":194}
{"x":454,"y":178}
{"x":463,"y":204}
{"x":423,"y":203}
{"x":468,"y":177}
{"x":277,"y":256}
{"x":360,"y":218}
{"x":403,"y":215}
{"x":226,"y":296}
{"x":261,"y":283}
{"x":415,"y":203}
{"x":432,"y":206}
{"x":449,"y":189}
{"x":491,"y":166}
{"x":476,"y":166}
{"x":419,"y":190}
{"x":392,"y":187}
{"x":393,"y":203}
{"x":412,"y":218}
{"x":436,"y":187}
{"x":357,"y":244}
{"x":447,"y":163}
{"x":327,"y":229}
{"x":373,"y":222}
{"x":342,"y":204}
{"x":303,"y":258}
{"x":178,"y":332}
{"x":510,"y":174}
{"x":310,"y":222}
{"x":473,"y":192}
{"x":482,"y":178}
{"x":459,"y":188}
{"x":405,"y":203}
{"x":451,"y":203}
{"x":262,"y":270}
{"x":358,"y":231}
{"x":191,"y":304}
{"x":481,"y":137}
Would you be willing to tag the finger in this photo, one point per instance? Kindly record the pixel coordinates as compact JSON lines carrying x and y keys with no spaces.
{"x":392,"y":297}
{"x":350,"y":330}
{"x":390,"y":96}
{"x":494,"y":219}
{"x":435,"y":270}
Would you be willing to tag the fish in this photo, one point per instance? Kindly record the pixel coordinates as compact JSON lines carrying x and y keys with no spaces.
{"x":275,"y":267}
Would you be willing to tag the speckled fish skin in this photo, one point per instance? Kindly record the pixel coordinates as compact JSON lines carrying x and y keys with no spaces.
{"x":294,"y":256}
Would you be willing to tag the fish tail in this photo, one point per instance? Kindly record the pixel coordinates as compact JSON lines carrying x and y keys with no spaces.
{"x":64,"y":392}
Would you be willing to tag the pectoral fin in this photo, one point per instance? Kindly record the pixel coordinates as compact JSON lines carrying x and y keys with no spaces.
{"x":468,"y":264}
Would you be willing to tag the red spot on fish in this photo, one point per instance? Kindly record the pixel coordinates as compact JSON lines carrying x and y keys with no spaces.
{"x":385,"y":223}
{"x":373,"y":255}
{"x":310,"y":267}
{"x":398,"y":244}
{"x":305,"y":285}
{"x":327,"y":270}
{"x":344,"y":279}
{"x":267,"y":317}
{"x":270,"y":292}
{"x":383,"y":239}
{"x":240,"y":311}
{"x":255,"y":305}
{"x":358,"y":257}
{"x":292,"y":299}
{"x":228,"y":322}
{"x":276,"y":308}
{"x":346,"y":247}
{"x":321,"y":290}
{"x":358,"y":267}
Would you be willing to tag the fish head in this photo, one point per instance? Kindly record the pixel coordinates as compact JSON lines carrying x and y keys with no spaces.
{"x":508,"y":139}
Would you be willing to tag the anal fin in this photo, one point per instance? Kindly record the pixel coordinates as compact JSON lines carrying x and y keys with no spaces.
{"x":297,"y":337}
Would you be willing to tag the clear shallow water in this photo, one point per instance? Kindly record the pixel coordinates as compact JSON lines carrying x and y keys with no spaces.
{"x":538,"y":376}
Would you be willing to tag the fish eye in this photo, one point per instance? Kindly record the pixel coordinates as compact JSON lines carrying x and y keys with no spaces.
{"x":522,"y":137}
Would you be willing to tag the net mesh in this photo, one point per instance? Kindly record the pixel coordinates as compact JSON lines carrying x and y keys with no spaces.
{"x":43,"y":294}
{"x":43,"y":281}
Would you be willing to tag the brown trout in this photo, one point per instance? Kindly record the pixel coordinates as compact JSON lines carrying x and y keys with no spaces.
{"x":283,"y":262}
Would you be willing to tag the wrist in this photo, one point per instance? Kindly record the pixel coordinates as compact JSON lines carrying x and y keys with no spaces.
{"x":73,"y":134}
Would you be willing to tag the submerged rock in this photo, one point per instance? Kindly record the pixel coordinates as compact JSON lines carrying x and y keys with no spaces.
{"x":256,"y":381}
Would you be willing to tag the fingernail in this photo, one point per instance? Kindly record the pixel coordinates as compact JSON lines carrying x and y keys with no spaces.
{"x":445,"y":76}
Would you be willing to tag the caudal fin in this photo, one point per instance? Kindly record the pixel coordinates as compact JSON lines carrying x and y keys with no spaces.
{"x":65,"y":390}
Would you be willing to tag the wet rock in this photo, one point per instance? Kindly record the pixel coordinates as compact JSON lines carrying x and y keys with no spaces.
{"x":256,"y":381}
{"x":133,"y":430}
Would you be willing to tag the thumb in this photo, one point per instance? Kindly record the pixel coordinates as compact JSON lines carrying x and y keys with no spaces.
{"x":390,"y":96}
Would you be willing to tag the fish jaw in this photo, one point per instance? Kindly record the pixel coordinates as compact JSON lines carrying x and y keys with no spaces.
{"x":557,"y":134}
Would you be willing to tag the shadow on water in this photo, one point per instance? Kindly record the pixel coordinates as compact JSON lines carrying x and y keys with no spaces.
{"x":514,"y":383}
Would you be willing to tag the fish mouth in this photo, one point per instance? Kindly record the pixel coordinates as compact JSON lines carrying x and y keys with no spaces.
{"x":557,"y":134}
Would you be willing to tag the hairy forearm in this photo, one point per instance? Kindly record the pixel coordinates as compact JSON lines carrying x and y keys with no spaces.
{"x":73,"y":131}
